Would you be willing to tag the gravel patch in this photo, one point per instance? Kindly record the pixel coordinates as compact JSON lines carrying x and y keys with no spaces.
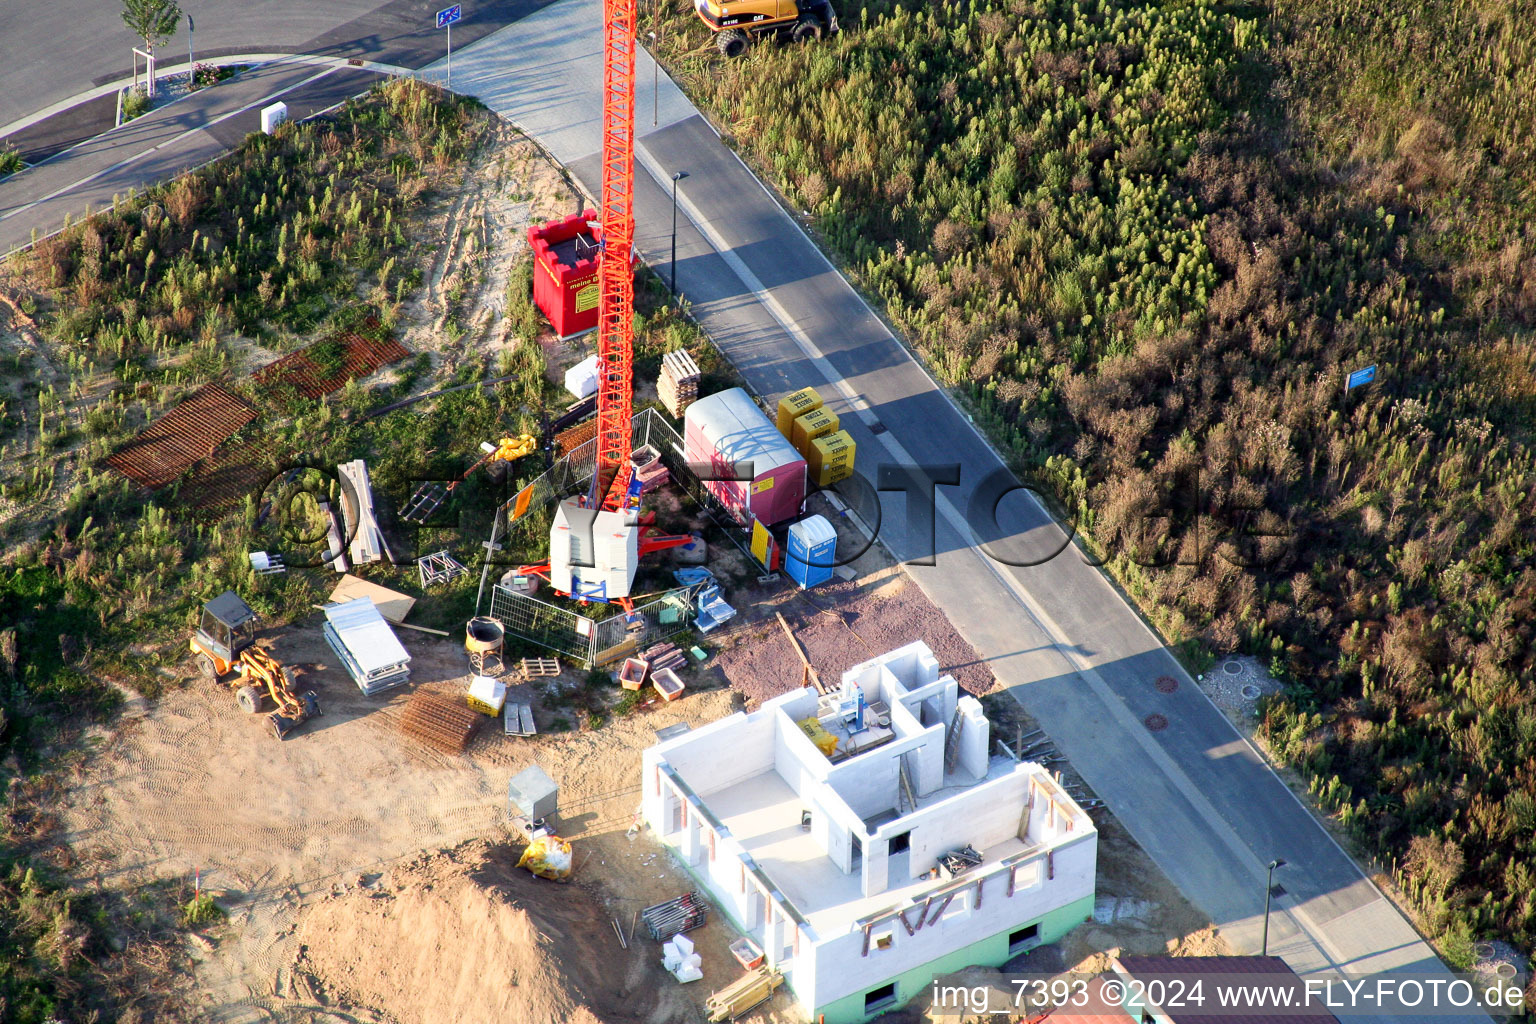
{"x":1235,"y":684}
{"x":840,"y":624}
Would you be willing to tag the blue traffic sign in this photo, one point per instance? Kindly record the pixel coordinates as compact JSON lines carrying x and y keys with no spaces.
{"x":1360,"y":377}
{"x":448,"y":15}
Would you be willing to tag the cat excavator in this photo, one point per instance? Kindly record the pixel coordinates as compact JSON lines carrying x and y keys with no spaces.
{"x":225,"y":644}
{"x":736,"y":23}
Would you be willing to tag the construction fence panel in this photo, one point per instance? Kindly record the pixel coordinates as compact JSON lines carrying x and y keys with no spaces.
{"x":539,"y":622}
{"x":594,"y":642}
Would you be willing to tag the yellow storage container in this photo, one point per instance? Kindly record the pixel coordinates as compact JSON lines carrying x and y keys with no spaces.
{"x":835,"y":449}
{"x":826,"y":476}
{"x":797,"y":404}
{"x":811,"y":425}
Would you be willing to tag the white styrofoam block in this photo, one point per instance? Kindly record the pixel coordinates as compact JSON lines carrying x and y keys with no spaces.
{"x":687,"y":973}
{"x":684,"y":944}
{"x":694,"y":960}
{"x":670,"y":958}
{"x":272,"y":116}
{"x":581,"y":379}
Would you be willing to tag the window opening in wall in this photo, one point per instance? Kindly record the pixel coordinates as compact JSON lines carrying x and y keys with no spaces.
{"x":880,"y":998}
{"x":858,"y":854}
{"x":958,"y":907}
{"x":883,"y":940}
{"x":898,"y":868}
{"x":1024,"y":938}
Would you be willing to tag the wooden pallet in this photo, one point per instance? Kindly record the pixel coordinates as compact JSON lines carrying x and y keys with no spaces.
{"x":742,"y":994}
{"x":439,"y":722}
{"x":539,"y":668}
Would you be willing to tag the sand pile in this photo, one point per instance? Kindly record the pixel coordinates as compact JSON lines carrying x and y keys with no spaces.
{"x":467,"y":937}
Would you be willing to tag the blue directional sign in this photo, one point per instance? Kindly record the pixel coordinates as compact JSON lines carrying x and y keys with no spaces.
{"x":448,"y":15}
{"x":1360,"y":377}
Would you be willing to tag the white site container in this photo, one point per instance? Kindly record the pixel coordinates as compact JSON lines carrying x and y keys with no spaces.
{"x":272,"y":116}
{"x":592,"y":554}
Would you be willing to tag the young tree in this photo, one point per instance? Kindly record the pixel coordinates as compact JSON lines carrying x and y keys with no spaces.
{"x":153,"y":21}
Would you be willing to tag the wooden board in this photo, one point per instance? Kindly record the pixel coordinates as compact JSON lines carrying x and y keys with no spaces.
{"x":392,"y":604}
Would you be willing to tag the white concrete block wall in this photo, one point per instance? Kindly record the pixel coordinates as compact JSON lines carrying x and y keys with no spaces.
{"x":975,"y":738}
{"x":712,"y":759}
{"x":840,"y":970}
{"x":983,"y":816}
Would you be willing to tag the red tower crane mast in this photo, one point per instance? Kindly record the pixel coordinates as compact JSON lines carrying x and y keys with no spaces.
{"x":615,"y":269}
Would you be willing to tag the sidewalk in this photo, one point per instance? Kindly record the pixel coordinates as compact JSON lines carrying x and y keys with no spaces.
{"x":163,"y":143}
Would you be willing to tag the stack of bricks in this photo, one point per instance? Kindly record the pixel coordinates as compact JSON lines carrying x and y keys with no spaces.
{"x":678,"y":386}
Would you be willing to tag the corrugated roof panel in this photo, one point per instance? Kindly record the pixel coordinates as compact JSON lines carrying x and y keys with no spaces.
{"x":372,"y":644}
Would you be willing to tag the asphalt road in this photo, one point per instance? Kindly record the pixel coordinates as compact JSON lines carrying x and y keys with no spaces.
{"x":163,"y":143}
{"x":1195,"y":795}
{"x":66,"y":48}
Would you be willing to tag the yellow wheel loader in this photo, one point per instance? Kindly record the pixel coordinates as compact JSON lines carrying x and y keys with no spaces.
{"x":736,"y":23}
{"x":225,"y":645}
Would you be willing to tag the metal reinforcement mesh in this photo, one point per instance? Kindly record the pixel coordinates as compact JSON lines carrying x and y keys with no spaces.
{"x":588,"y":642}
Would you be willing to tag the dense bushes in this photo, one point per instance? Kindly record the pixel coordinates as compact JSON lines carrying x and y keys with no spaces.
{"x":1146,"y":243}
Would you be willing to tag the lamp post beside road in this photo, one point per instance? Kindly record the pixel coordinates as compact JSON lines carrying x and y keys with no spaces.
{"x":191,"y":67}
{"x":679,"y":176}
{"x":1269,"y":890}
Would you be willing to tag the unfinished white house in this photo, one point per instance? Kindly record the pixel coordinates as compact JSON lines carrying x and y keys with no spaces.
{"x":864,"y":868}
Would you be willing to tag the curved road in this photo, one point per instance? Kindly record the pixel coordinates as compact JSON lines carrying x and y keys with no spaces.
{"x":70,"y":48}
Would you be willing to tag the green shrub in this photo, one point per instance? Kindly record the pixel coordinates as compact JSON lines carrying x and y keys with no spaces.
{"x":135,"y":104}
{"x":201,"y":910}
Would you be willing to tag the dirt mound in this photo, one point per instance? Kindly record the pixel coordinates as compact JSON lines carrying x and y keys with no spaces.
{"x":466,"y":937}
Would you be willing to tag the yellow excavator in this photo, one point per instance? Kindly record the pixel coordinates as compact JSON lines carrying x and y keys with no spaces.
{"x":225,"y":644}
{"x":736,"y":23}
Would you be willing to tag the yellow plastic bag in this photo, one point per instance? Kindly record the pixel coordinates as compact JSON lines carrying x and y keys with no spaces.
{"x":548,"y":857}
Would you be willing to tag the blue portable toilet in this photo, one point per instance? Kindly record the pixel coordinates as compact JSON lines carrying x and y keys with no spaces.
{"x":811,"y":551}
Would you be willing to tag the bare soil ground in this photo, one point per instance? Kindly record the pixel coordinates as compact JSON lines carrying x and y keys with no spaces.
{"x":339,"y":853}
{"x":470,"y":237}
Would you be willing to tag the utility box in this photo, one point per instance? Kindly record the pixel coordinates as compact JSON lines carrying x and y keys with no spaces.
{"x":811,"y":551}
{"x":533,"y":794}
{"x":272,"y":116}
{"x":565,"y":285}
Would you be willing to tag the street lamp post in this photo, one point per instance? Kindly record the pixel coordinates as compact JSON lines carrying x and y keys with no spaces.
{"x":191,"y":68}
{"x":655,"y":80}
{"x":679,"y":176}
{"x":1269,"y":890}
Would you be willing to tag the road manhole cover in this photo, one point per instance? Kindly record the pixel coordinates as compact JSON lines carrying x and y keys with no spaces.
{"x":1155,"y":722}
{"x":1233,"y":668}
{"x":1250,"y":692}
{"x":1167,"y":684}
